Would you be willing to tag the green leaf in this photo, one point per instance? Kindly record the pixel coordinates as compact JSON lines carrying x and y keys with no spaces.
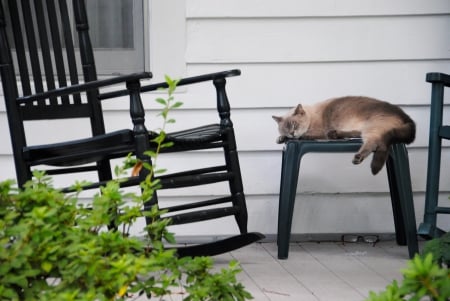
{"x":160,"y":171}
{"x":151,"y":154}
{"x":18,"y":280}
{"x":176,"y":105}
{"x":167,"y":144}
{"x":46,"y":266}
{"x":161,"y":101}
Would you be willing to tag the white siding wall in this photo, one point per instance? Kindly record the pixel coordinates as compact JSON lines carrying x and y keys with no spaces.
{"x":294,"y":51}
{"x":304,"y":51}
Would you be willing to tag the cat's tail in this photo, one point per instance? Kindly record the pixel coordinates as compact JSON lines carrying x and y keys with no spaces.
{"x":404,"y":134}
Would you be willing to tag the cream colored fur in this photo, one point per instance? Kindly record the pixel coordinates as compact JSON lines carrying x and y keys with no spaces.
{"x":378,"y":123}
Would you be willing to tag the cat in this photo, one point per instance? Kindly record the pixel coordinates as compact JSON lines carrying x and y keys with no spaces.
{"x":379,"y":124}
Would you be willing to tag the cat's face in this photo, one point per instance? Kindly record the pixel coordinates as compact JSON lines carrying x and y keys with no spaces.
{"x":290,"y":127}
{"x":294,"y":124}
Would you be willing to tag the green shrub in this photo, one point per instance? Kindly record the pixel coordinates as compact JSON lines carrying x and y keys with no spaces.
{"x":423,"y":279}
{"x":440,"y":248}
{"x":54,"y":248}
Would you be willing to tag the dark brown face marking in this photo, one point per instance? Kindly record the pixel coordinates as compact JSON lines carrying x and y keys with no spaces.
{"x":291,"y":126}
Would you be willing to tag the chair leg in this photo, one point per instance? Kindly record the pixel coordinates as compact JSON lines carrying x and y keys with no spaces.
{"x":235,"y":184}
{"x":400,"y":183}
{"x":288,"y":187}
{"x":399,"y":223}
{"x":242,"y":216}
{"x":428,"y":228}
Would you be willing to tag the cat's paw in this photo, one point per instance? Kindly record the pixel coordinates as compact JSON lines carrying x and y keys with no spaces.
{"x":357,"y":159}
{"x":332,"y":134}
{"x":281,"y":139}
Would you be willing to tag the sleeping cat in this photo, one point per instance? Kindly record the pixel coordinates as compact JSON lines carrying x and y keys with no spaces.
{"x":378,"y":123}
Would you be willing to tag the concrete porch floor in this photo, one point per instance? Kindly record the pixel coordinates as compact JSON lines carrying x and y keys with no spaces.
{"x":325,"y":271}
{"x":315,"y":271}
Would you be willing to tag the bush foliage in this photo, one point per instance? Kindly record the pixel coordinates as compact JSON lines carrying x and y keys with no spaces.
{"x":54,"y":248}
{"x":424,"y":279}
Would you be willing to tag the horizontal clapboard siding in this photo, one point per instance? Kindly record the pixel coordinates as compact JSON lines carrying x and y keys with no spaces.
{"x":294,"y":51}
{"x":255,"y":128}
{"x":319,"y":8}
{"x":317,"y":39}
{"x":281,"y":85}
{"x":320,"y":173}
{"x":307,"y":51}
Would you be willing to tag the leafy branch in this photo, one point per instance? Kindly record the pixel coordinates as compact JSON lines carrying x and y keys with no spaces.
{"x":423,"y":279}
{"x":53,"y":248}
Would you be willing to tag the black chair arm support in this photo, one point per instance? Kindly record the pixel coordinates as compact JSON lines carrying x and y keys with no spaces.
{"x":436,"y":77}
{"x":86,"y":87}
{"x":182,"y":82}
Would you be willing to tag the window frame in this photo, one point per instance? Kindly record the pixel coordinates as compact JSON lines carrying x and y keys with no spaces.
{"x":164,"y":39}
{"x":166,"y":33}
{"x":125,"y":61}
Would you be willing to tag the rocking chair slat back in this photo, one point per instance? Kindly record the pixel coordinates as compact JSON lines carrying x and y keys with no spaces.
{"x":46,"y":58}
{"x":41,"y":50}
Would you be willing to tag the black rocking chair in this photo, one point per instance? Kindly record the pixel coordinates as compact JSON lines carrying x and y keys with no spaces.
{"x":36,"y":43}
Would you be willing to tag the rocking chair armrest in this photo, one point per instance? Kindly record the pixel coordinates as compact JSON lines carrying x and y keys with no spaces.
{"x":194,"y":79}
{"x":182,"y":82}
{"x":84,"y":87}
{"x":436,"y":77}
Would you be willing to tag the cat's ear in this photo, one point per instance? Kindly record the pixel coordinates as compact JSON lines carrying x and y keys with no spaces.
{"x":299,"y":110}
{"x":277,"y":119}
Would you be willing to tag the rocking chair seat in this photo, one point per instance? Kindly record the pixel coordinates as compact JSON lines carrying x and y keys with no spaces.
{"x":207,"y":133}
{"x":207,"y":136}
{"x":81,"y":151}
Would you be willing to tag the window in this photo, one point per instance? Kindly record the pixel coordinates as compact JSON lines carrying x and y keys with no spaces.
{"x":117,"y":34}
{"x":116,"y":29}
{"x":136,"y":35}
